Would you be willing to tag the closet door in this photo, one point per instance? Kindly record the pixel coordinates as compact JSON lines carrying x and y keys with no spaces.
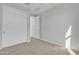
{"x":14,"y":26}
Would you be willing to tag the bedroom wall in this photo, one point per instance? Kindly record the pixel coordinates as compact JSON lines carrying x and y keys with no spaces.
{"x":0,"y":24}
{"x":27,"y":25}
{"x":56,"y":22}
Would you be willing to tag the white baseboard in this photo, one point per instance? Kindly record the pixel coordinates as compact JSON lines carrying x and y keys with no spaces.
{"x":75,"y":48}
{"x":35,"y":37}
{"x":53,"y":43}
{"x":0,"y":47}
{"x":14,"y":44}
{"x":29,"y":40}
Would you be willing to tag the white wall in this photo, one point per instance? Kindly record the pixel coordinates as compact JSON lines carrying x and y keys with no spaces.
{"x":0,"y":24}
{"x":14,"y":26}
{"x":20,"y":6}
{"x":56,"y":22}
{"x":35,"y":26}
{"x":27,"y":24}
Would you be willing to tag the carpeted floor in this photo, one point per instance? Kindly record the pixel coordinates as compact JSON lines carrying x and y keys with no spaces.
{"x":76,"y":52}
{"x":36,"y":47}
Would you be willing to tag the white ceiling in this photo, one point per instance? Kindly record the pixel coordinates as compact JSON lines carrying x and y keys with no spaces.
{"x":35,"y":8}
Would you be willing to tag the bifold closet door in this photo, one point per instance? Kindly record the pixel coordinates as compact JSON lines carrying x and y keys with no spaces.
{"x":14,"y":26}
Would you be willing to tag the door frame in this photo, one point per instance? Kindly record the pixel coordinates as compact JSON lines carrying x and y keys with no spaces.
{"x":39,"y":25}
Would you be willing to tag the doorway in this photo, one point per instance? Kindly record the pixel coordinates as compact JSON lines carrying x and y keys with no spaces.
{"x":35,"y":27}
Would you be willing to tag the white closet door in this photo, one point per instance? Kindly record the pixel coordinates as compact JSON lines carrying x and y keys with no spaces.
{"x":14,"y":26}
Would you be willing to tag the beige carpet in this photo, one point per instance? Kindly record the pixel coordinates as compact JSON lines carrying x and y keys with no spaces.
{"x":36,"y":47}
